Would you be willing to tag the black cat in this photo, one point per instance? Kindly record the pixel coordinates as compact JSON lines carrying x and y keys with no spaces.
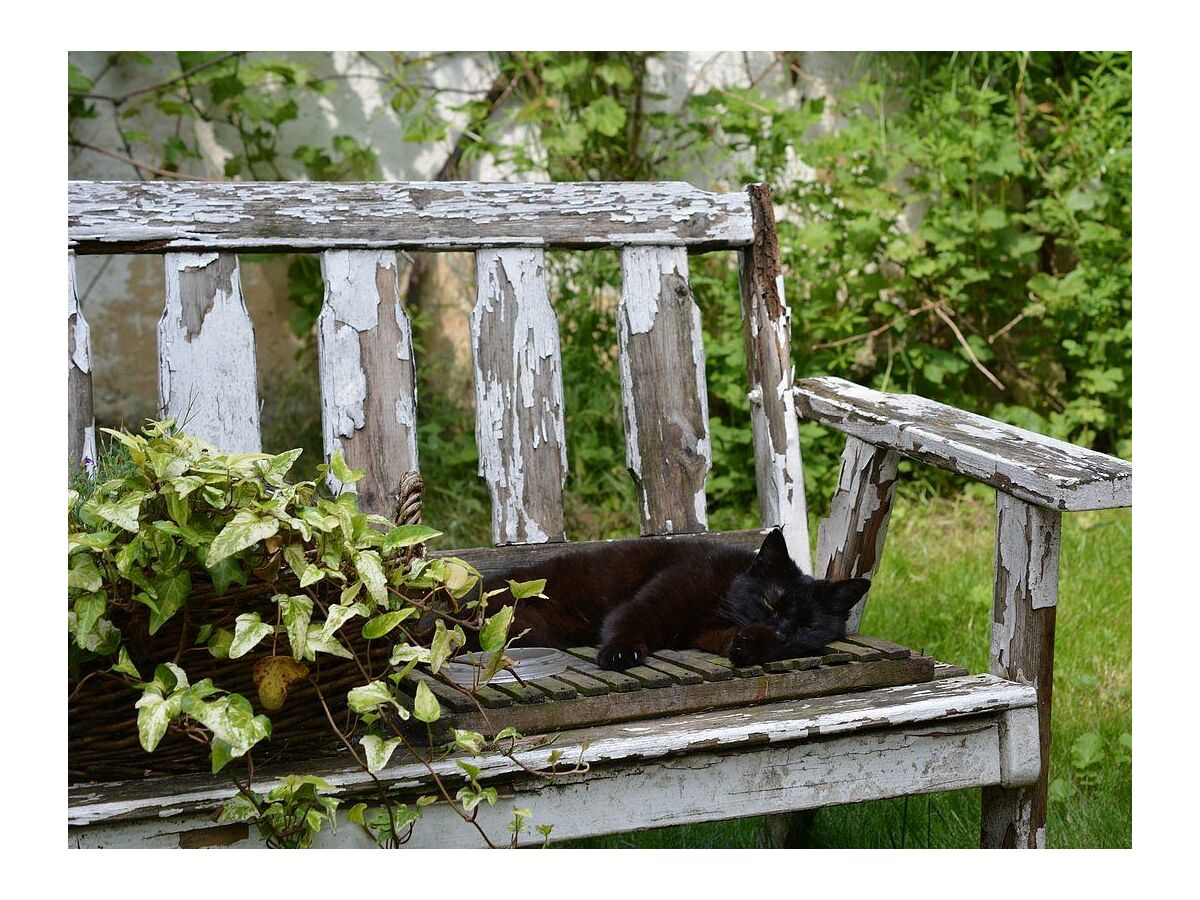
{"x":635,"y":599}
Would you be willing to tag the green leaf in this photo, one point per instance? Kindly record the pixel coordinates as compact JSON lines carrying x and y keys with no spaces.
{"x":319,"y":642}
{"x":239,"y":808}
{"x":443,"y":644}
{"x":83,"y":574}
{"x":296,"y":612}
{"x":495,"y":630}
{"x":471,"y":741}
{"x":355,"y":814}
{"x":244,"y":530}
{"x":370,"y":697}
{"x":249,"y":631}
{"x":522,"y":590}
{"x":381,"y":625}
{"x":311,"y":575}
{"x":123,"y":512}
{"x":173,"y":591}
{"x":125,"y":665}
{"x":220,"y":642}
{"x":378,"y":750}
{"x":408,"y":536}
{"x":342,"y":471}
{"x":425,"y":705}
{"x":370,"y":570}
{"x":604,"y":115}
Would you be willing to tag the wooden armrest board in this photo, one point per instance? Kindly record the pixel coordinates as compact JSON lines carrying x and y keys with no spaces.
{"x":1028,"y":465}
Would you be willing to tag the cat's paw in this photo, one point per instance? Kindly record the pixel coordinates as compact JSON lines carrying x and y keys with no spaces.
{"x":753,"y":646}
{"x":618,"y":657}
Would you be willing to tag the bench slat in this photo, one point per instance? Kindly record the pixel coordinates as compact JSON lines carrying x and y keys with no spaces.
{"x":207,"y":370}
{"x":663,"y":393}
{"x":519,"y":396}
{"x":767,"y":327}
{"x":368,"y":383}
{"x":150,"y":217}
{"x":81,"y":418}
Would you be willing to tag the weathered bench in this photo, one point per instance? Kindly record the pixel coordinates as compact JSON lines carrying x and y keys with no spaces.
{"x":956,"y":731}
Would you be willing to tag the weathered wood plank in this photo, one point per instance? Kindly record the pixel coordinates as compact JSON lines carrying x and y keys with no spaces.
{"x":664,"y":397}
{"x":368,"y":383}
{"x":603,"y":745}
{"x":691,"y":659}
{"x":153,"y":216}
{"x":887,"y":648}
{"x":489,"y":560}
{"x":646,"y":677}
{"x":519,"y":397}
{"x":858,"y":652}
{"x":1023,"y":613}
{"x":81,"y":417}
{"x":899,"y":761}
{"x":850,"y":539}
{"x":679,"y":674}
{"x":207,"y":369}
{"x":767,"y":328}
{"x":1030,"y":466}
{"x":584,"y":684}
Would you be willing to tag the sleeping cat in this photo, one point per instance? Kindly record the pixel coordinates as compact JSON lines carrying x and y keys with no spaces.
{"x":633,"y":600}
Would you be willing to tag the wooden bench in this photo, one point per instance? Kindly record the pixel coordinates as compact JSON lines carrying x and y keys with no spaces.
{"x":955,"y":731}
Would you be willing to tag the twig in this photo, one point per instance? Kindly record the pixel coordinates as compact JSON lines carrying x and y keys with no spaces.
{"x":1036,"y":308}
{"x":121,"y":157}
{"x":967,"y":347}
{"x":875,"y":332}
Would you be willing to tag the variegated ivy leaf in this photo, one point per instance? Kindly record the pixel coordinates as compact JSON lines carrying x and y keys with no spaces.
{"x":155,"y":713}
{"x":231,"y":719}
{"x":444,"y":643}
{"x":249,"y":631}
{"x":311,"y":575}
{"x":339,"y":614}
{"x":123,"y":512}
{"x":425,"y":705}
{"x":318,"y":642}
{"x":378,"y":750}
{"x":381,"y":625}
{"x":296,"y":612}
{"x":370,"y":570}
{"x":342,"y":471}
{"x":245,"y":530}
{"x":495,"y":629}
{"x":125,"y":665}
{"x":370,"y":697}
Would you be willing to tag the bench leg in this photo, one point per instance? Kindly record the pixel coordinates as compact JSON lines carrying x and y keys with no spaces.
{"x":1024,"y":598}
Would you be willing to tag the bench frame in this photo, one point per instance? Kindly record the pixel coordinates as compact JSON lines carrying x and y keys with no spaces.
{"x":991,"y":731}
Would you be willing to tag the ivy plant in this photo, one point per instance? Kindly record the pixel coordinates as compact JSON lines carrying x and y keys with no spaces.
{"x":175,"y":514}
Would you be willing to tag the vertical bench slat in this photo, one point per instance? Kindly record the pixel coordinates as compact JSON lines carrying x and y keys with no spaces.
{"x":368,"y":379}
{"x":850,"y":539}
{"x":663,"y":394}
{"x":207,"y":370}
{"x":767,"y":327}
{"x":81,"y":418}
{"x":518,"y":396}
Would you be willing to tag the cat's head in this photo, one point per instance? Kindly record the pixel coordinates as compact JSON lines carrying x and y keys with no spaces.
{"x":807,"y":613}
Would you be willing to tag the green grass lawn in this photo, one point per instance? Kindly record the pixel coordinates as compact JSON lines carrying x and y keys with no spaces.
{"x":934,"y":591}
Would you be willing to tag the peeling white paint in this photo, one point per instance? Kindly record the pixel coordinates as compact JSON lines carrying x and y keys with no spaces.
{"x":1028,"y":465}
{"x":658,"y":330}
{"x":348,"y":333}
{"x":207,"y":358}
{"x":441,"y":215}
{"x":519,"y":423}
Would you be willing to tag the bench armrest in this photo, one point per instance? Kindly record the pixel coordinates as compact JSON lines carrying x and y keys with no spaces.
{"x":1031,"y":466}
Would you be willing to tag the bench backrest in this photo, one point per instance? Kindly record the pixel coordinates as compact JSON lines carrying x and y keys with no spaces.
{"x":206,"y":350}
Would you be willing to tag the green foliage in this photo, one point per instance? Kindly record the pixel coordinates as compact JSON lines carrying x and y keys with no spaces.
{"x":173,"y":513}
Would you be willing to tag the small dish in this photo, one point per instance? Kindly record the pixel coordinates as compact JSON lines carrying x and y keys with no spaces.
{"x":530,"y":663}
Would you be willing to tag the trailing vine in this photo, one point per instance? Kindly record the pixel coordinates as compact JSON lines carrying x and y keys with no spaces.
{"x":168,"y":513}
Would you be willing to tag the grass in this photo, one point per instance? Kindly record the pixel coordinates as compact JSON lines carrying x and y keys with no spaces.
{"x":934,"y":592}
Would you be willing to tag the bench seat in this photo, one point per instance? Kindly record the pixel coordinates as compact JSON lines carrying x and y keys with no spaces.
{"x":951,"y":733}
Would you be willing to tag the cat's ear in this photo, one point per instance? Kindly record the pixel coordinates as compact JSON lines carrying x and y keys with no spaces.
{"x":840,"y":596}
{"x":773,"y":554}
